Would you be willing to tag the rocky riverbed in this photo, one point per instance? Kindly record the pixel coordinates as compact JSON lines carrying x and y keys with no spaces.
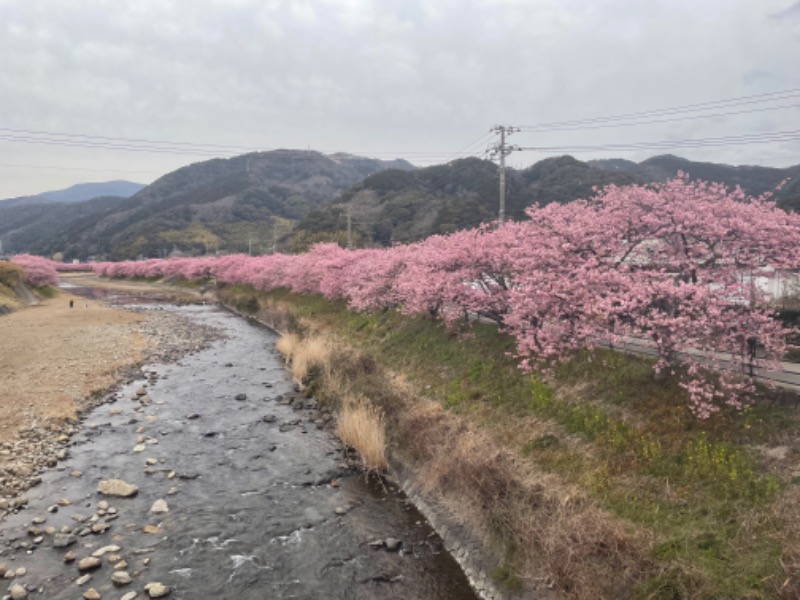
{"x":171,"y":336}
{"x":206,"y":475}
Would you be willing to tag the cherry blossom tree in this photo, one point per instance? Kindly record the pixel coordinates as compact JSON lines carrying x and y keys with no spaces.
{"x":39,"y":271}
{"x":675,"y":263}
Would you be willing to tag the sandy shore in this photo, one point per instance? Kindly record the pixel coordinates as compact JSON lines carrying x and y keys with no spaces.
{"x":53,"y":356}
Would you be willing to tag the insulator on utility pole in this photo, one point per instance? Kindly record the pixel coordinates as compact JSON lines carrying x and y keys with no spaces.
{"x":502,"y":150}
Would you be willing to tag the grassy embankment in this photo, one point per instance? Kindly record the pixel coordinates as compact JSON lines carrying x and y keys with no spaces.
{"x":597,"y":484}
{"x":11,"y":275}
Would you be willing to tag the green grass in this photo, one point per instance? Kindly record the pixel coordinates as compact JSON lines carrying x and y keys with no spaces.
{"x":48,"y":291}
{"x":622,"y":435}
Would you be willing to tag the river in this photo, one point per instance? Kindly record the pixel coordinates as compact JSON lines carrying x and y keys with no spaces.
{"x":261,"y":501}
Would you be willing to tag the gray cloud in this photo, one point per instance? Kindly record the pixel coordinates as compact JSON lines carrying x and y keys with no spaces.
{"x":380,"y":77}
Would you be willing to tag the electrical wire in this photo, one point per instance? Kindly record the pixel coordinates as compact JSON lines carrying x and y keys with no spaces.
{"x":702,"y":106}
{"x":658,"y":121}
{"x":739,"y":140}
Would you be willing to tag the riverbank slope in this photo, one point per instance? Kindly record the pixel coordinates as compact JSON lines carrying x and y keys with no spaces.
{"x":597,"y":483}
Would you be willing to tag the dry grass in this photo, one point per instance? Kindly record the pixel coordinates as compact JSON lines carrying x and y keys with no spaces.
{"x":597,"y":486}
{"x":305,"y":354}
{"x":362,"y":427}
{"x":287,"y":345}
{"x":553,"y":533}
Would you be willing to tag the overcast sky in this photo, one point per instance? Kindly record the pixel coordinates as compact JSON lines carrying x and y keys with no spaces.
{"x":419,"y":79}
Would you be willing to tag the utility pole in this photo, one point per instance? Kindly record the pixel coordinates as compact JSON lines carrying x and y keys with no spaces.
{"x":502,"y":150}
{"x":349,"y":229}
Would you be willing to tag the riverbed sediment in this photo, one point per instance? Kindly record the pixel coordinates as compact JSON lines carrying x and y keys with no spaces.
{"x":255,"y":502}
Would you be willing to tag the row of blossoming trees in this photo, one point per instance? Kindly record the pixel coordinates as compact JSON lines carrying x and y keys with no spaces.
{"x":39,"y":271}
{"x":674,"y":263}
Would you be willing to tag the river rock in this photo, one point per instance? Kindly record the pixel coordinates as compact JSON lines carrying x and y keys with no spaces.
{"x":18,"y":592}
{"x":392,"y":544}
{"x":62,"y":540}
{"x":240,"y":397}
{"x":157,"y":590}
{"x":91,"y":594}
{"x":129,"y":596}
{"x":269,"y":418}
{"x":90,"y":563}
{"x":83,"y":579}
{"x":69,"y":557}
{"x":105,"y":550}
{"x":100,"y":527}
{"x":117,"y":487}
{"x":121,"y":578}
{"x":159,"y":507}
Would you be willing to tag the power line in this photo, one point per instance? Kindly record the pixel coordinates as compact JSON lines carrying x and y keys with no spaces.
{"x":740,"y":140}
{"x":151,"y":142}
{"x":714,"y":104}
{"x":657,"y":121}
{"x":79,"y":140}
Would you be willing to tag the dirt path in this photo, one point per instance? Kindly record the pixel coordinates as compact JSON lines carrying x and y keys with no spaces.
{"x":53,"y":356}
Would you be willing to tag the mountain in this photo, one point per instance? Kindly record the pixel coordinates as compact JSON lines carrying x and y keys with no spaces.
{"x":753,"y":179}
{"x":290,"y":199}
{"x":87,"y":191}
{"x":231,"y":205}
{"x":25,"y":226}
{"x":394,"y":206}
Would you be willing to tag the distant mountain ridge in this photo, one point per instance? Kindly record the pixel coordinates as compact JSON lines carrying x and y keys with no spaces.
{"x":87,"y":191}
{"x":755,"y":180}
{"x":290,"y":199}
{"x":228,"y":205}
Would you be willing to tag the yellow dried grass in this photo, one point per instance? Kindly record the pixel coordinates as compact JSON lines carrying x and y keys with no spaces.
{"x":362,"y":426}
{"x":287,"y":345}
{"x":303,"y":354}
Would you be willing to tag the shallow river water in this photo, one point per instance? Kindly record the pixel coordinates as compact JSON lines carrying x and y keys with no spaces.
{"x":261,"y":503}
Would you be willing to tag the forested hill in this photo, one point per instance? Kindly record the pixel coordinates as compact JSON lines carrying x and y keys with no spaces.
{"x":395,"y":206}
{"x":289,"y":199}
{"x":755,"y":180}
{"x":392,"y":207}
{"x":229,"y":205}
